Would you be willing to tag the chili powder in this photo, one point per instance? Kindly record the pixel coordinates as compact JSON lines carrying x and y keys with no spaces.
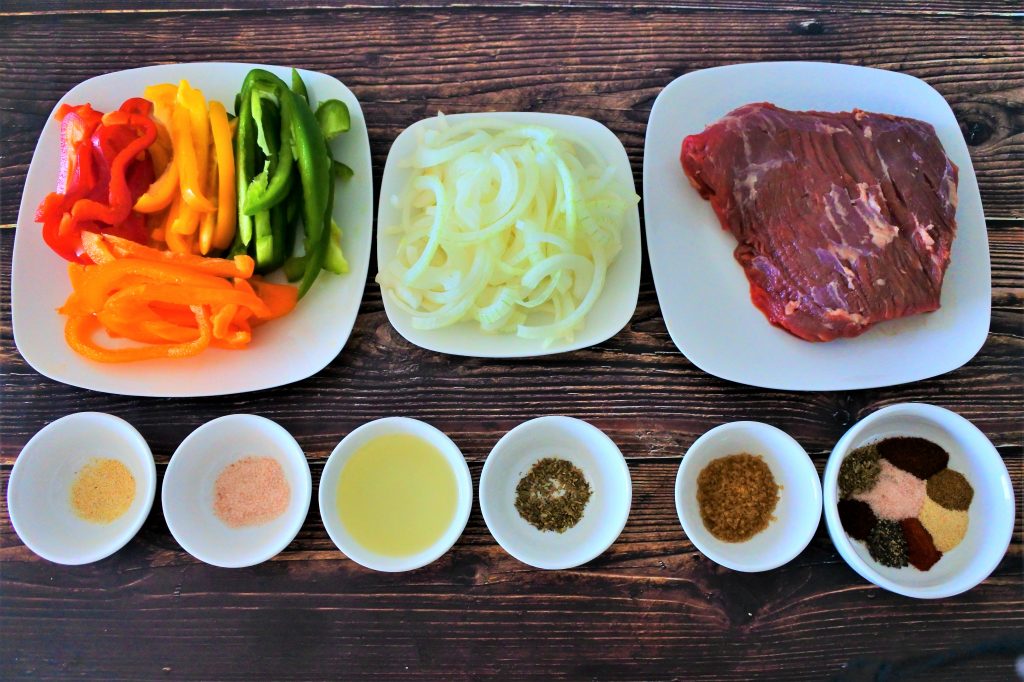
{"x":857,"y":518}
{"x":921,"y":551}
{"x":917,"y":456}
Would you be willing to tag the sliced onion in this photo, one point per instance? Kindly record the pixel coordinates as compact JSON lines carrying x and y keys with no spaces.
{"x":512,"y":227}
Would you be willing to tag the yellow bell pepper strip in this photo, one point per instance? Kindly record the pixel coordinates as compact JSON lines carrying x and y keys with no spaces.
{"x":188,"y":162}
{"x":227,"y":211}
{"x":199,"y":118}
{"x":159,"y":154}
{"x":161,"y":193}
{"x":162,"y":96}
{"x":208,"y":221}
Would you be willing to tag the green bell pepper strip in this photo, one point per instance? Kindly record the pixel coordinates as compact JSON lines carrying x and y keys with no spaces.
{"x":341,"y":171}
{"x":333,"y":118}
{"x":270,"y":187}
{"x":335,"y":261}
{"x":317,"y":189}
{"x":298,"y":87}
{"x":269,"y":139}
{"x":245,"y":160}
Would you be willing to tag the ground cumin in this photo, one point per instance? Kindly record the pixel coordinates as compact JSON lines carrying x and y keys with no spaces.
{"x":736,"y":495}
{"x":951,"y":490}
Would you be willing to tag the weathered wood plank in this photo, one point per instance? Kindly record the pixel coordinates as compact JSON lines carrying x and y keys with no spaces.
{"x":940,"y":8}
{"x":407,"y":64}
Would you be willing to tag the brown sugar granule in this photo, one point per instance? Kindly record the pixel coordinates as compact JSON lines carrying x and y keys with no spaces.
{"x":857,"y":518}
{"x":736,"y":495}
{"x":921,"y":550}
{"x":951,"y":490}
{"x":917,"y":456}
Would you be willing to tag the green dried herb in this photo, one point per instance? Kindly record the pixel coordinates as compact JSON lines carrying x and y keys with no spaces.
{"x":552,"y":495}
{"x":887,"y":544}
{"x":858,"y":472}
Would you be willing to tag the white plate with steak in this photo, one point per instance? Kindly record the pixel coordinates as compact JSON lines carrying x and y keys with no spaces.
{"x":805,"y":246}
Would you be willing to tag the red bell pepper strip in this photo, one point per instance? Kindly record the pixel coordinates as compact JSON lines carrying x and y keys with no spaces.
{"x":120,"y":201}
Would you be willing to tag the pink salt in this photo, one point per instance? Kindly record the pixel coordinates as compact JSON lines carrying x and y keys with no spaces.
{"x":896,"y":496}
{"x":251,"y":491}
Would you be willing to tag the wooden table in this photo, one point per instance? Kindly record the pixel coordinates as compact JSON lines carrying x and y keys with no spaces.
{"x":651,"y":606}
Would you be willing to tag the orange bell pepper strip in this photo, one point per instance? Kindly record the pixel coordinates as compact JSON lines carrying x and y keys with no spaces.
{"x":227,"y":210}
{"x":107,"y":277}
{"x":189,"y":295}
{"x":239,"y":266}
{"x":118,"y":326}
{"x":185,"y":148}
{"x":96,"y":248}
{"x":222,"y":319}
{"x":280,"y":299}
{"x":79,"y":329}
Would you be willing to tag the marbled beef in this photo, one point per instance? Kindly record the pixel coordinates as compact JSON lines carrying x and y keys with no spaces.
{"x":843,"y":219}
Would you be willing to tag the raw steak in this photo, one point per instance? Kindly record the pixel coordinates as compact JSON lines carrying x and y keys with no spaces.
{"x":843,"y":219}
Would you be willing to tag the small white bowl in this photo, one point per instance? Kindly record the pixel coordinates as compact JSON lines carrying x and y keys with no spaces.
{"x":991,"y":514}
{"x":796,"y":514}
{"x":188,"y":490}
{"x":328,"y":495}
{"x":601,"y":462}
{"x":39,"y":491}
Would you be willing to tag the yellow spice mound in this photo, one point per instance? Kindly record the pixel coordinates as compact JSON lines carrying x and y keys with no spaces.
{"x":102,"y":491}
{"x":946,"y":526}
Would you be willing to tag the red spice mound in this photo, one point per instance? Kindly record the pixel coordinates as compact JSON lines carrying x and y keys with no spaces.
{"x":918,"y":456}
{"x":921,"y":550}
{"x":857,"y":518}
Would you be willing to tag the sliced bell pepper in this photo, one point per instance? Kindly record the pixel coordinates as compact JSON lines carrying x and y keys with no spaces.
{"x":79,"y":329}
{"x":224,"y":231}
{"x":188,"y":161}
{"x":119,"y":194}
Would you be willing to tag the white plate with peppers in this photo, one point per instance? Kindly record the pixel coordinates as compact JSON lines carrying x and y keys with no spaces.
{"x":283,"y":350}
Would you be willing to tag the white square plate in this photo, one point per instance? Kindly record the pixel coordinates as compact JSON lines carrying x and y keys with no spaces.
{"x":703,"y":292}
{"x":618,"y":299}
{"x":285,"y":350}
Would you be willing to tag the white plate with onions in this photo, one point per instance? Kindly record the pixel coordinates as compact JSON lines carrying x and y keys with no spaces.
{"x":603,"y":171}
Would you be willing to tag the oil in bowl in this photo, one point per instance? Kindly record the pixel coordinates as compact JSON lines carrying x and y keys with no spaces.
{"x":395,"y":494}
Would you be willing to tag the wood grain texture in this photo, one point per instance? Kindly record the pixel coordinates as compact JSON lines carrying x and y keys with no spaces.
{"x":609,"y":65}
{"x":652,"y":607}
{"x":973,"y":8}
